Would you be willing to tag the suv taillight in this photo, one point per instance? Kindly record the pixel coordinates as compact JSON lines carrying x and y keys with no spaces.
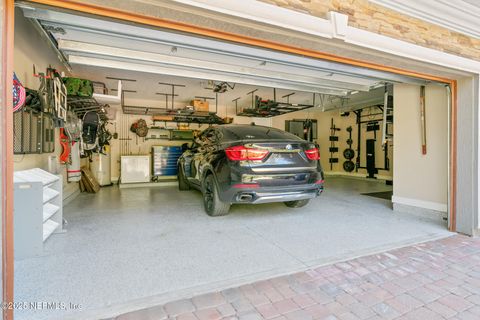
{"x":241,"y":153}
{"x":312,"y":154}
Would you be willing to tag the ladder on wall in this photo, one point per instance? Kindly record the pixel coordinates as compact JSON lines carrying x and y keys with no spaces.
{"x":387,"y":133}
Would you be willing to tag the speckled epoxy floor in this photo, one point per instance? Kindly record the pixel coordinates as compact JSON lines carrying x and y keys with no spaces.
{"x":131,"y":248}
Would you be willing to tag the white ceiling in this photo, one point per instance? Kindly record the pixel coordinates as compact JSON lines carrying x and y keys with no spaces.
{"x":474,"y":3}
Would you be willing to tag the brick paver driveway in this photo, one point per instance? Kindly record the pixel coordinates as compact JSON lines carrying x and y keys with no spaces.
{"x":434,"y":280}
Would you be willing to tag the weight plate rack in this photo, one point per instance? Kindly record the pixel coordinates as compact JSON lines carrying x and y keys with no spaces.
{"x":333,"y":148}
{"x":349,"y":153}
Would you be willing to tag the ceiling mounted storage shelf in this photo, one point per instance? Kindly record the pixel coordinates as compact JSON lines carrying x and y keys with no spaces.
{"x":175,"y":115}
{"x":187,"y":116}
{"x":141,"y":111}
{"x":277,"y":110}
{"x":81,"y":105}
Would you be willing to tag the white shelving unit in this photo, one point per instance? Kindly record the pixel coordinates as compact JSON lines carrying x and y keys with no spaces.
{"x":38,"y":210}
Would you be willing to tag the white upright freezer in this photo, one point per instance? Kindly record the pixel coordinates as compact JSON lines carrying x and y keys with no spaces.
{"x":135,"y":169}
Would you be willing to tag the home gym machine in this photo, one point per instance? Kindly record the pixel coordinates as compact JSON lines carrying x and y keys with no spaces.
{"x":372,"y":121}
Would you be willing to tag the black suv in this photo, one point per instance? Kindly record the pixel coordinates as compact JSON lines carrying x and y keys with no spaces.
{"x":250,"y":164}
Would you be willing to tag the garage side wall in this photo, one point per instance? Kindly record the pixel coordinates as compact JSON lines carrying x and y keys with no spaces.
{"x":420,"y":180}
{"x":30,"y":49}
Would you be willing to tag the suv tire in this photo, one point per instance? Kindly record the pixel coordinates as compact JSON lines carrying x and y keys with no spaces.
{"x":183,"y":184}
{"x":297,"y":203}
{"x":214,"y":207}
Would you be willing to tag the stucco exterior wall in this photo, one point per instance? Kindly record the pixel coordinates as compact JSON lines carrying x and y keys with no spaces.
{"x":374,"y":18}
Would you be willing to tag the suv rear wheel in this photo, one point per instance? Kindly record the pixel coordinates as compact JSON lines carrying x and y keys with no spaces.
{"x":213,"y":205}
{"x":297,"y":203}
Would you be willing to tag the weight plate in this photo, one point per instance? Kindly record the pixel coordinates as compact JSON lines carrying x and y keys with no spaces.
{"x":333,"y":160}
{"x":349,"y":129}
{"x":348,"y":166}
{"x":349,"y":141}
{"x":348,"y":153}
{"x":333,"y":138}
{"x":333,"y":149}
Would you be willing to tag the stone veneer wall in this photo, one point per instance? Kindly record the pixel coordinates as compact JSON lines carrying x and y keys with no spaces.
{"x":368,"y":16}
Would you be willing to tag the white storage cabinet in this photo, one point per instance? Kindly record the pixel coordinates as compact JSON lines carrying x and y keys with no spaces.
{"x":135,"y":169}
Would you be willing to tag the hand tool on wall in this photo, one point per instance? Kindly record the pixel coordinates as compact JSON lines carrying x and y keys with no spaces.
{"x":423,"y":120}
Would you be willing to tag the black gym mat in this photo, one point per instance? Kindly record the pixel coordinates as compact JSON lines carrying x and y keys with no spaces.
{"x":387,"y":195}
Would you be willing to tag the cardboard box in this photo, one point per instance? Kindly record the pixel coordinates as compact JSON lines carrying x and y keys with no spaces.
{"x":162,"y":118}
{"x":183,"y":126}
{"x":89,"y":181}
{"x":200,"y":105}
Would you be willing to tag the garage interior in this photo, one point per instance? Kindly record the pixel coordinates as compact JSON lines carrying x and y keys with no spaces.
{"x":138,"y":241}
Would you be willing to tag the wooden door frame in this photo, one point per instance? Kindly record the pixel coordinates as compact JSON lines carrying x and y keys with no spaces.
{"x":111,"y":13}
{"x":6,"y":125}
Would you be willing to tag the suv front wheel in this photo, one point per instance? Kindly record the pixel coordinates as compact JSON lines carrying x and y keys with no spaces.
{"x":213,"y":205}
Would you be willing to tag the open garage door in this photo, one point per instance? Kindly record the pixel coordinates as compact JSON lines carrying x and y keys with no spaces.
{"x":158,"y":238}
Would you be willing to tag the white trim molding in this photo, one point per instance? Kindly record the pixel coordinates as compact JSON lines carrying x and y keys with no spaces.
{"x":262,"y":12}
{"x":442,"y":207}
{"x":357,"y":175}
{"x":459,"y":16}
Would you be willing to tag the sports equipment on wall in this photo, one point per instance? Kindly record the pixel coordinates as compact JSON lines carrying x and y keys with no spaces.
{"x":140,"y":128}
{"x":91,"y":121}
{"x":18,"y":94}
{"x":73,"y":167}
{"x":65,"y":143}
{"x":349,"y":153}
{"x":348,"y":166}
{"x":78,"y":87}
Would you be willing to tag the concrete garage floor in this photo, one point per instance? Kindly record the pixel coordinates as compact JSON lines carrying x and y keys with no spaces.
{"x":127,"y":249}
